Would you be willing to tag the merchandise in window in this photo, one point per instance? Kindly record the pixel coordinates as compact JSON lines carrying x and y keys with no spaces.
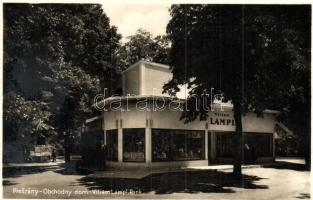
{"x":134,"y":145}
{"x":177,"y":145}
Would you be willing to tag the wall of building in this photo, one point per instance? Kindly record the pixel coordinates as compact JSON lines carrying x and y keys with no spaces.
{"x":131,"y":81}
{"x":145,"y":78}
{"x":167,"y":119}
{"x":129,"y":118}
{"x":170,"y":120}
{"x":156,"y":165}
{"x":265,"y":124}
{"x":154,"y":79}
{"x":109,"y":120}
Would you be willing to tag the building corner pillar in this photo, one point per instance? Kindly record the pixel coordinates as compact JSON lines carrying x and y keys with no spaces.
{"x":148,"y":145}
{"x":206,"y":145}
{"x":213,"y":146}
{"x":103,"y":129}
{"x":120,"y":144}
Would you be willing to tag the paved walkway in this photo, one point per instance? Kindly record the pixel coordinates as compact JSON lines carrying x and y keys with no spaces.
{"x":291,"y":160}
{"x":261,"y":183}
{"x":142,"y":173}
{"x":41,"y":164}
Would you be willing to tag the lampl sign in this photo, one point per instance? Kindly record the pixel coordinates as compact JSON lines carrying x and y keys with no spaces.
{"x":222,"y":119}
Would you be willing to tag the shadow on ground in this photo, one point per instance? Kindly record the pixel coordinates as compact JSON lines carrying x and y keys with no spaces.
{"x":304,"y":196}
{"x":8,"y":183}
{"x":15,"y":172}
{"x":19,"y":171}
{"x":68,"y":169}
{"x":286,"y":165}
{"x":187,"y":182}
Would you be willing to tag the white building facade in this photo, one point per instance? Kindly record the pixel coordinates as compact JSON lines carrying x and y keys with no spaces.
{"x":142,"y":128}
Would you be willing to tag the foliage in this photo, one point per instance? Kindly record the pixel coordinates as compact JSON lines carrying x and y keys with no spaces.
{"x":28,"y":115}
{"x":56,"y":58}
{"x":142,"y":45}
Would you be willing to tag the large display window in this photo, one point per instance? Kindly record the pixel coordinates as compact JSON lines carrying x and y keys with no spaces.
{"x":112,"y":146}
{"x":177,"y":145}
{"x":224,"y":144}
{"x":259,"y":144}
{"x":254,"y":145}
{"x":134,"y":145}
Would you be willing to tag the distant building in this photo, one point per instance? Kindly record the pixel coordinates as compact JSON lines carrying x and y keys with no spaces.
{"x":139,"y":137}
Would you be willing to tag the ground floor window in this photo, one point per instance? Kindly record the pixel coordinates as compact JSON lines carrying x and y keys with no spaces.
{"x":112,"y":147}
{"x":177,"y":145}
{"x":134,"y":145}
{"x":259,"y":144}
{"x":255,"y":145}
{"x":224,"y":144}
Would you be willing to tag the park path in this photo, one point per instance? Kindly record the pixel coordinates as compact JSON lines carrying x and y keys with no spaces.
{"x":57,"y":182}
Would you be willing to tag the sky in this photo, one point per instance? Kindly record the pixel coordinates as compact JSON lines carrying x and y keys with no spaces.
{"x":130,"y":17}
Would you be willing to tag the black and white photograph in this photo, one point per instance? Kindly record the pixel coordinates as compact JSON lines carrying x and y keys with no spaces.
{"x":159,"y":100}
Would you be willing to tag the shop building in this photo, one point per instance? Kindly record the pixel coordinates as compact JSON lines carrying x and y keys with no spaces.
{"x":142,"y":128}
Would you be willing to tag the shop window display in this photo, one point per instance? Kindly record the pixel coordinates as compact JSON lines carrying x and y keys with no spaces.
{"x":177,"y":145}
{"x":254,"y":145}
{"x":134,"y":145}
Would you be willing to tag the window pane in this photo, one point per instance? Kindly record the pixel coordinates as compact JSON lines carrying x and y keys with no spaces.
{"x":161,"y":142}
{"x":255,"y":145}
{"x":175,"y":145}
{"x":195,"y":145}
{"x":224,"y":145}
{"x":112,"y":147}
{"x":259,"y":144}
{"x":134,"y":145}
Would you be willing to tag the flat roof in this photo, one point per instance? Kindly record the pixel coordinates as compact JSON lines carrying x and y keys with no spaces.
{"x":148,"y":63}
{"x":93,"y":119}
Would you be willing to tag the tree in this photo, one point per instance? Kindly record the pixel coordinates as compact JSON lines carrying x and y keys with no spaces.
{"x":240,"y":51}
{"x":56,"y":58}
{"x":142,"y":45}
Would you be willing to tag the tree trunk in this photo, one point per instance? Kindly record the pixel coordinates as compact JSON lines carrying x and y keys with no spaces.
{"x":238,"y":141}
{"x":306,"y":143}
